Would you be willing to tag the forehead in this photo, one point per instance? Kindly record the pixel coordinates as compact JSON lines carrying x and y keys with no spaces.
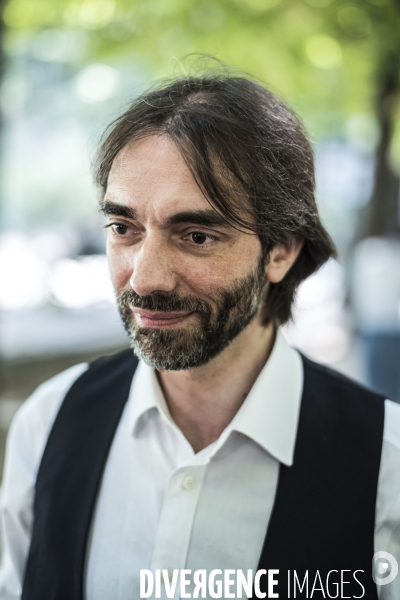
{"x":152,"y":175}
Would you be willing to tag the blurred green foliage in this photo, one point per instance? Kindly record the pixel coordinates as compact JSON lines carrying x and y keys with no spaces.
{"x":337,"y":62}
{"x":324,"y":56}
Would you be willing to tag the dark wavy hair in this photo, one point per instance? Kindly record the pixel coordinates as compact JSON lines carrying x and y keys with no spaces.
{"x":249,"y":155}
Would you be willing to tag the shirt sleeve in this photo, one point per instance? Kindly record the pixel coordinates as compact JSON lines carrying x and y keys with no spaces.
{"x":387,"y":531}
{"x":26,"y":441}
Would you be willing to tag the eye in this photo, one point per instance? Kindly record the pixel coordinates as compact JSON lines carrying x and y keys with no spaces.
{"x":199,"y":238}
{"x":124,"y":233}
{"x":118,"y":228}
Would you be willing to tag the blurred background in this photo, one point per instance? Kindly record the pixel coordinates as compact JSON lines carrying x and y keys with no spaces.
{"x":68,"y":67}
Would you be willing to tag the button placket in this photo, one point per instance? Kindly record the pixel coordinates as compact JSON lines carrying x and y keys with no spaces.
{"x":176,"y":520}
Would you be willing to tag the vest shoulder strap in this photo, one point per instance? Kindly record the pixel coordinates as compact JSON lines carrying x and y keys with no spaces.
{"x":69,"y":477}
{"x":324,"y":512}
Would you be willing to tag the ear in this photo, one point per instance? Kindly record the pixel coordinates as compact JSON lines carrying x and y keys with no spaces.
{"x":281,"y":258}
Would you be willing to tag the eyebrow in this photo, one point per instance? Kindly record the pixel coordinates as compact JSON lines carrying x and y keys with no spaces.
{"x":206,"y":218}
{"x":117,"y":210}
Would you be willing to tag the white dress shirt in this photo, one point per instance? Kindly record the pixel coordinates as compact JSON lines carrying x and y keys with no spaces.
{"x":160,"y":505}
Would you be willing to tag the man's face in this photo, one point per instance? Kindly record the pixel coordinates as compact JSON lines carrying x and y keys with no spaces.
{"x":187,"y":283}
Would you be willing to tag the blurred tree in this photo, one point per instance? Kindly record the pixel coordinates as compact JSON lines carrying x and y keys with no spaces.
{"x":384,"y":208}
{"x":336,"y":61}
{"x":2,"y":55}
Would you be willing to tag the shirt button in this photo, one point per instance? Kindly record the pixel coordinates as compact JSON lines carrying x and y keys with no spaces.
{"x":188,"y":482}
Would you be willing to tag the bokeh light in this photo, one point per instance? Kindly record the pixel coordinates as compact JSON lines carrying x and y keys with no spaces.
{"x":323,"y":51}
{"x":97,"y":83}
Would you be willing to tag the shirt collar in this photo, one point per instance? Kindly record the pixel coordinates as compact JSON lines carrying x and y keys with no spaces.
{"x":269,"y":415}
{"x":146,"y":395}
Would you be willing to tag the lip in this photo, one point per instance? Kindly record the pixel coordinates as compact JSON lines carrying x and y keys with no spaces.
{"x":151,"y":318}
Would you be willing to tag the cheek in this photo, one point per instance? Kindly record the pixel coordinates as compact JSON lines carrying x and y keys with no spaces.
{"x":206,"y":276}
{"x":119,"y":267}
{"x":210,"y":276}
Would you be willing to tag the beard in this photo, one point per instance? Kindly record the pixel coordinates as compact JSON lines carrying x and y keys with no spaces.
{"x":192,"y":346}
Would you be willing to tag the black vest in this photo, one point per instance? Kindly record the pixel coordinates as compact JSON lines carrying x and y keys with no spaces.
{"x":324,"y":511}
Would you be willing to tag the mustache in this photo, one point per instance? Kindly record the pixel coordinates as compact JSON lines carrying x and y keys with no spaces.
{"x":161,"y":302}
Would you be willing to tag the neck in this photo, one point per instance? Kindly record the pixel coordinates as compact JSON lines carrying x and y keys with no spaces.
{"x":204,"y":400}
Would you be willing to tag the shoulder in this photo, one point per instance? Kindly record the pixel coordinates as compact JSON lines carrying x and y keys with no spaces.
{"x":388,"y":502}
{"x":110,"y":362}
{"x":322,"y":378}
{"x":390,"y":465}
{"x":392,"y":426}
{"x":35,"y":418}
{"x":32,"y":423}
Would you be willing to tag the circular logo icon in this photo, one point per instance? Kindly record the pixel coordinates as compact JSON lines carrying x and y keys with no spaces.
{"x":384,"y":568}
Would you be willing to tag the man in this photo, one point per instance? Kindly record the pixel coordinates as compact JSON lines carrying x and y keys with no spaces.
{"x":222,"y":448}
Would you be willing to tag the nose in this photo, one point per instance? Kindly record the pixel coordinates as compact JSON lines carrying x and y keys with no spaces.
{"x":153,"y":268}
